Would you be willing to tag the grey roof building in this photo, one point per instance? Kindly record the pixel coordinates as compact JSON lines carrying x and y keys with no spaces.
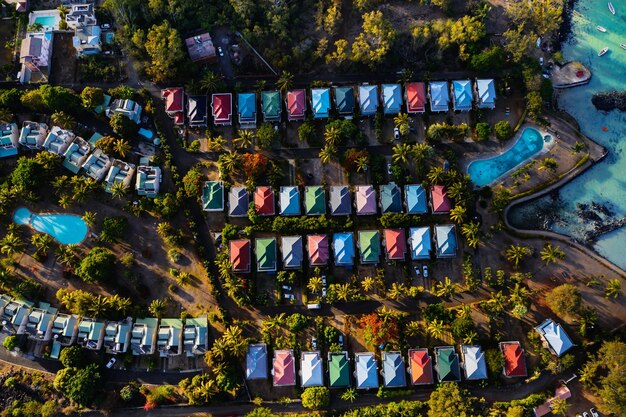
{"x":238,"y":202}
{"x":117,"y":336}
{"x":340,"y":202}
{"x":291,"y":248}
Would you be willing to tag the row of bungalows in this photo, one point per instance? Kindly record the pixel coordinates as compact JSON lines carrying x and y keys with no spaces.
{"x":392,"y":98}
{"x":317,"y":201}
{"x":144,"y":336}
{"x":342,"y":248}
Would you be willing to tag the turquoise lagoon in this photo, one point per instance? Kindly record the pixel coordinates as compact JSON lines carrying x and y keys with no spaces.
{"x":67,"y":229}
{"x":598,"y":196}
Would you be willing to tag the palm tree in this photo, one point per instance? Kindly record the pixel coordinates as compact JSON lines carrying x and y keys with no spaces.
{"x":67,"y":255}
{"x":458,"y":192}
{"x":396,"y":291}
{"x":65,"y":201}
{"x":120,"y":304}
{"x":259,"y":86}
{"x":349,"y":395}
{"x":402,"y":123}
{"x":465,"y":312}
{"x":435,"y":175}
{"x":362,"y":163}
{"x":327,"y":153}
{"x":519,"y":294}
{"x":11,"y":244}
{"x":230,"y":161}
{"x":315,"y":284}
{"x":211,"y":82}
{"x":470,"y":232}
{"x":183,"y":279}
{"x":516,"y":253}
{"x":62,"y":119}
{"x":274,"y":322}
{"x":98,"y":306}
{"x":42,"y":243}
{"x":559,"y":406}
{"x":235,"y":342}
{"x":457,"y":214}
{"x":470,"y":337}
{"x":367,"y":284}
{"x":5,"y":115}
{"x":60,"y":183}
{"x":343,"y":292}
{"x":551,"y":254}
{"x":497,"y":303}
{"x":446,"y":288}
{"x":119,"y":190}
{"x":331,"y":135}
{"x":422,"y":151}
{"x":401,"y":153}
{"x":285,"y":82}
{"x":89,"y":217}
{"x":412,"y":328}
{"x":435,"y":328}
{"x":216,"y":144}
{"x":158,"y":307}
{"x":613,"y":288}
{"x":122,"y":148}
{"x":244,"y":138}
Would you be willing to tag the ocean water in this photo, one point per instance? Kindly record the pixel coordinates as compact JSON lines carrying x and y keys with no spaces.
{"x":598,"y":196}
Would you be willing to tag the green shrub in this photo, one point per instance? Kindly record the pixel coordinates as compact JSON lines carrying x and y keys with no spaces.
{"x":10,"y":342}
{"x":483,"y":131}
{"x":194,"y":146}
{"x":97,"y":266}
{"x":503,"y":130}
{"x":315,"y":398}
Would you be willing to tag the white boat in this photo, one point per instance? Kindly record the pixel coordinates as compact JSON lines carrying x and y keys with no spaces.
{"x":601,"y":28}
{"x":611,"y":8}
{"x":603,"y":51}
{"x":623,"y":45}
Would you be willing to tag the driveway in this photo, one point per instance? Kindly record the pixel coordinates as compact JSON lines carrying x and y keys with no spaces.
{"x":222,"y":39}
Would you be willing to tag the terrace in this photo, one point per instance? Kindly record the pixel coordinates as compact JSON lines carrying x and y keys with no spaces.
{"x":143,"y":336}
{"x":170,"y":337}
{"x":33,"y":135}
{"x":76,"y":154}
{"x":9,"y":139}
{"x":148,"y":181}
{"x":195,"y":336}
{"x":97,"y":165}
{"x":58,"y":140}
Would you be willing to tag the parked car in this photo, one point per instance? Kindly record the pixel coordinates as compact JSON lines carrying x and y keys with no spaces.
{"x":288,"y":296}
{"x":105,"y":26}
{"x":111,"y":363}
{"x":323,"y":280}
{"x":323,"y":292}
{"x":418,"y":271}
{"x":389,"y":168}
{"x":286,"y":287}
{"x":220,"y":51}
{"x":340,"y":340}
{"x":316,"y":306}
{"x":314,"y":343}
{"x":425,"y":269}
{"x":585,"y":414}
{"x":396,"y":133}
{"x":594,"y":412}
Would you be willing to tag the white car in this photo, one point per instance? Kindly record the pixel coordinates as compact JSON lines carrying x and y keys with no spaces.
{"x":288,"y":296}
{"x":220,"y":51}
{"x":286,"y":288}
{"x":314,"y":343}
{"x":105,"y":26}
{"x":594,"y":413}
{"x":585,"y":414}
{"x":389,"y":168}
{"x":324,"y":280}
{"x":111,"y":363}
{"x":396,"y":133}
{"x":425,"y":269}
{"x":418,"y":272}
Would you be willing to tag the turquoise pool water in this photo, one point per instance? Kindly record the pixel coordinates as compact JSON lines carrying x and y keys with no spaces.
{"x":46,"y":21}
{"x":146,"y":133}
{"x":485,"y":171}
{"x":67,"y":229}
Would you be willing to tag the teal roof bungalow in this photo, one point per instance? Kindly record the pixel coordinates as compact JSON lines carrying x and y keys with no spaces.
{"x":58,"y":140}
{"x":462,"y":95}
{"x":415,"y":199}
{"x":390,"y":199}
{"x":369,"y":246}
{"x":117,"y":336}
{"x":485,"y":94}
{"x":33,"y":135}
{"x":38,"y":325}
{"x":265,"y":249}
{"x":14,"y":315}
{"x":120,"y":171}
{"x":445,"y":239}
{"x":289,"y":201}
{"x":343,"y":249}
{"x":439,"y":96}
{"x":270,"y":106}
{"x":256,"y":361}
{"x":143,"y":336}
{"x":314,"y":200}
{"x":394,"y":370}
{"x":246,"y":107}
{"x":554,"y":337}
{"x":76,"y":155}
{"x":320,"y":102}
{"x":392,"y":98}
{"x":447,"y":364}
{"x":195,"y":336}
{"x":148,"y":181}
{"x":420,"y":242}
{"x":97,"y":165}
{"x":338,"y":370}
{"x":344,"y":101}
{"x":170,"y":337}
{"x":9,"y":139}
{"x":90,"y":333}
{"x":368,"y":99}
{"x":213,"y":196}
{"x":292,"y":251}
{"x":365,"y":370}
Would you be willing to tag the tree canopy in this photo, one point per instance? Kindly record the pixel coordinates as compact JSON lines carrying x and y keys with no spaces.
{"x":97,"y":266}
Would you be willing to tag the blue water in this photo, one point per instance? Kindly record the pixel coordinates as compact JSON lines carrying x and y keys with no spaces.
{"x":485,"y":171}
{"x":46,"y":21}
{"x":146,"y":133}
{"x":67,"y":229}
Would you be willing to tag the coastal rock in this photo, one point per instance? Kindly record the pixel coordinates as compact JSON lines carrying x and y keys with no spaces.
{"x":609,"y":101}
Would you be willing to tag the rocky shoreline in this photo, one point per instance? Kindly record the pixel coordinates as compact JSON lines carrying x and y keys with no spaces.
{"x":608,"y":101}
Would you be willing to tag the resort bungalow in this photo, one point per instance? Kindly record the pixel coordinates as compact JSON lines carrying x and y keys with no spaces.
{"x":289,"y":201}
{"x":390,"y":199}
{"x":415,"y":94}
{"x":365,"y":200}
{"x":213,"y":196}
{"x":222,"y":109}
{"x":344,"y":101}
{"x":120,"y":171}
{"x":256,"y":361}
{"x":314,"y":200}
{"x":195,"y":336}
{"x":445,"y":239}
{"x":447,"y":364}
{"x":127,"y":107}
{"x":33,"y":135}
{"x":392,"y":98}
{"x":58,"y":140}
{"x":296,"y":105}
{"x":246,"y":107}
{"x":265,"y":249}
{"x":320,"y":102}
{"x":514,"y":359}
{"x":76,"y":155}
{"x":343,"y":249}
{"x":554,"y":337}
{"x":415,"y":199}
{"x":439,"y":200}
{"x":562,"y":393}
{"x":117,"y":336}
{"x":38,"y":324}
{"x":270,"y":106}
{"x":9,"y":139}
{"x":421,"y":245}
{"x":90,"y":333}
{"x":420,"y":367}
{"x":292,"y":252}
{"x":201,"y":48}
{"x":264,"y":201}
{"x":365,"y":370}
{"x":474,"y":363}
{"x":65,"y":329}
{"x":338,"y":370}
{"x":318,"y":250}
{"x":395,"y":244}
{"x":368,"y":99}
{"x":80,"y":15}
{"x":311,"y":372}
{"x":394,"y":370}
{"x":462,"y":95}
{"x":174,"y":104}
{"x":86,"y":40}
{"x":240,"y":255}
{"x":170,"y":337}
{"x":143,"y":336}
{"x":369,"y":246}
{"x":439,"y":96}
{"x":14,"y":315}
{"x":485,"y":94}
{"x":238,"y":202}
{"x":197,"y":111}
{"x":340,"y":204}
{"x":284,"y":368}
{"x":97,"y":165}
{"x":148,"y":181}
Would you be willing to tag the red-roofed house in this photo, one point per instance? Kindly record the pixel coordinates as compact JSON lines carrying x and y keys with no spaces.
{"x":439,"y":199}
{"x":240,"y":255}
{"x":415,"y":98}
{"x":264,"y":201}
{"x":222,"y":107}
{"x":514,"y":359}
{"x":296,"y":104}
{"x":421,"y":367}
{"x":318,"y":248}
{"x":395,"y":244}
{"x":284,"y":368}
{"x":562,"y":393}
{"x":174,"y":104}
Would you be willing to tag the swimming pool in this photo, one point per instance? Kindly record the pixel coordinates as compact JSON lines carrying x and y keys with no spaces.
{"x":146,"y":133}
{"x":46,"y":21}
{"x":67,"y":229}
{"x":486,"y":171}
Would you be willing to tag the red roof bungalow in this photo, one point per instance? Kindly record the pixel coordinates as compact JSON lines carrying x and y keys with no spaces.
{"x":395,"y":244}
{"x":514,"y":359}
{"x":264,"y":201}
{"x":318,"y":248}
{"x":439,"y":199}
{"x":284,"y":368}
{"x":174,"y":104}
{"x":415,"y":98}
{"x":296,"y":104}
{"x":222,"y":105}
{"x":421,"y":367}
{"x":240,"y":255}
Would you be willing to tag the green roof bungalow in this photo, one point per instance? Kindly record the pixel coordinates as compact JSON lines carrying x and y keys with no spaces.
{"x":213,"y":196}
{"x":390,"y":199}
{"x":344,"y":101}
{"x":270,"y":106}
{"x":314,"y":200}
{"x":246,"y":106}
{"x":265,"y":249}
{"x":369,"y":246}
{"x":447,"y":364}
{"x":338,"y":369}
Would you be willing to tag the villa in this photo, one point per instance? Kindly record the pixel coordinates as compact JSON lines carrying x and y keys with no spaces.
{"x":314,"y":200}
{"x":439,"y":200}
{"x":289,"y":201}
{"x":222,"y":109}
{"x":14,"y":315}
{"x":264,"y":201}
{"x":143,"y":336}
{"x":120,"y":171}
{"x":311,"y":372}
{"x":58,"y":140}
{"x":291,"y":248}
{"x":394,"y":370}
{"x":148,"y":181}
{"x":270,"y":106}
{"x":197,"y":111}
{"x":195,"y":336}
{"x":415,"y":94}
{"x":65,"y":329}
{"x":340,"y":203}
{"x":296,"y":105}
{"x":554,"y":337}
{"x":439,"y":96}
{"x":447,"y":364}
{"x":420,"y":367}
{"x":320,"y":102}
{"x":238,"y":202}
{"x":201,"y":48}
{"x":33,"y":135}
{"x":390,"y":198}
{"x":420,"y":242}
{"x":38,"y":325}
{"x":90,"y":333}
{"x":445,"y":240}
{"x":9,"y":139}
{"x":343,"y":249}
{"x":246,"y":106}
{"x":97,"y":165}
{"x":561,"y":393}
{"x":21,"y":6}
{"x":76,"y":155}
{"x":128,"y":108}
{"x":36,"y":57}
{"x":392,"y":98}
{"x":338,"y":369}
{"x":240,"y":252}
{"x":369,"y":246}
{"x":213,"y":196}
{"x":256,"y":361}
{"x":365,"y":200}
{"x":318,"y":250}
{"x":174,"y":104}
{"x":415,"y":199}
{"x":395,"y":244}
{"x":117,"y":336}
{"x":514,"y":359}
{"x":485,"y":94}
{"x":344,"y":101}
{"x":170,"y":338}
{"x":368,"y":99}
{"x":474,"y":362}
{"x":284,"y":368}
{"x":265,"y":249}
{"x":462,"y":95}
{"x":366,"y":371}
{"x":86,"y":40}
{"x":80,"y":15}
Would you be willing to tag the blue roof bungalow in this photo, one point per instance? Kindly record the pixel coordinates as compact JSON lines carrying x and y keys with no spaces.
{"x":368,"y":99}
{"x":58,"y":140}
{"x":462,"y":95}
{"x":554,"y":337}
{"x":439,"y":96}
{"x":75,"y":156}
{"x":365,"y":372}
{"x":256,"y":361}
{"x":320,"y":102}
{"x":392,"y":98}
{"x":97,"y":165}
{"x":486,"y":94}
{"x":9,"y":139}
{"x":390,"y":199}
{"x":474,"y":362}
{"x":420,"y":242}
{"x":344,"y":101}
{"x":343,"y":248}
{"x":246,"y":107}
{"x":291,"y":248}
{"x":126,"y":107}
{"x":415,"y":199}
{"x":289,"y":201}
{"x":270,"y":106}
{"x":120,"y":171}
{"x":33,"y":135}
{"x":394,"y":370}
{"x":311,"y":372}
{"x":445,"y":239}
